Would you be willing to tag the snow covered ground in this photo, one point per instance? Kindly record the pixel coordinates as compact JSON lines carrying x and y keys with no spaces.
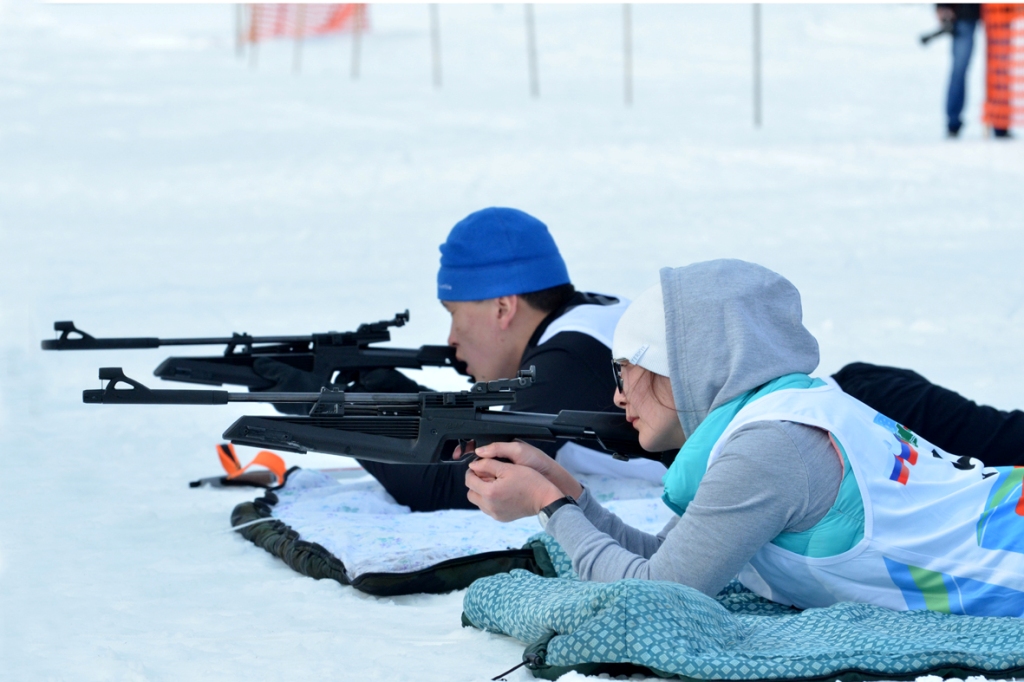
{"x":151,"y":183}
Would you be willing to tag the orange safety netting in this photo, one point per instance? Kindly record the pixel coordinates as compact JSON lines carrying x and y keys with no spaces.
{"x":303,"y":21}
{"x":1004,"y":74}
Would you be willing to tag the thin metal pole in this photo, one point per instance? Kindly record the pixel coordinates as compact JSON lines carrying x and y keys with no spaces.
{"x":300,"y":27}
{"x":531,"y":52}
{"x":757,"y":65}
{"x":435,"y":42}
{"x":357,"y":39}
{"x":627,"y":50}
{"x":253,"y":34}
{"x":239,"y":30}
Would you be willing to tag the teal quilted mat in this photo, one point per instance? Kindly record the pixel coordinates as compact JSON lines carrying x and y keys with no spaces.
{"x":674,"y":631}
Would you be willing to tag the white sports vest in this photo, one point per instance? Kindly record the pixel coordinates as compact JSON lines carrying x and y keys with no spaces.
{"x":941,"y":532}
{"x":596,"y":321}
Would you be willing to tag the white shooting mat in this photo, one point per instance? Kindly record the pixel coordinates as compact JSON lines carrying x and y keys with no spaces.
{"x":357,"y":521}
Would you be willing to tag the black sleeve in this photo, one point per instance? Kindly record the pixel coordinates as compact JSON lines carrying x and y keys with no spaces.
{"x":574,"y":372}
{"x":944,"y":417}
{"x":962,"y":10}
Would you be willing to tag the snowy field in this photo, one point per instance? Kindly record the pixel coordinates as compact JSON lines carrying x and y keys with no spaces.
{"x":153,"y":184}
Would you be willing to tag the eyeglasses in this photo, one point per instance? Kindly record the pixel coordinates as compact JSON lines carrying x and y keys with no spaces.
{"x":617,"y":371}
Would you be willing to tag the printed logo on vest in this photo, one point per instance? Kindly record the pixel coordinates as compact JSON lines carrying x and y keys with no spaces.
{"x":907,"y":456}
{"x":1001,"y":525}
{"x":924,"y":589}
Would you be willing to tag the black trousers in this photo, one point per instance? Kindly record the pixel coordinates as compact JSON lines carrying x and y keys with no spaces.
{"x":944,"y":417}
{"x":941,"y":416}
{"x":424,"y":487}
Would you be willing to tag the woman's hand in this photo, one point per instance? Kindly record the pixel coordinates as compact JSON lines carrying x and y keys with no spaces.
{"x":518,"y":452}
{"x":507,"y":491}
{"x":521,"y":485}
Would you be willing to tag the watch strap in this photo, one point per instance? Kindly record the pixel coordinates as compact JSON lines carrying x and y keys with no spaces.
{"x":547,"y":512}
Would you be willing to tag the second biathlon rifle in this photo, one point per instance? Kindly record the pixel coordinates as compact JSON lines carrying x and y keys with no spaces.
{"x":332,"y":357}
{"x":399,"y":428}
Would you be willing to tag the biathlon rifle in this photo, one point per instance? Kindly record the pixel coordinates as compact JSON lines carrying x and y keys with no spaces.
{"x":334,"y":357}
{"x":401,"y":428}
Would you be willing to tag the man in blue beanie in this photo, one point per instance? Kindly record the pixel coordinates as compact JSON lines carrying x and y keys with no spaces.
{"x":501,"y":275}
{"x":512,"y":306}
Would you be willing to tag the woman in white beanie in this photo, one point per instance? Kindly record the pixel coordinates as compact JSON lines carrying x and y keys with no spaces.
{"x":806,"y":494}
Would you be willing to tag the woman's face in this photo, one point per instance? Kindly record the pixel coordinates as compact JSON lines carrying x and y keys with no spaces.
{"x":650,"y":408}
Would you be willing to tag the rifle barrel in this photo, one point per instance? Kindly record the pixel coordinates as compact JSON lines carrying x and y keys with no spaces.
{"x":90,"y":343}
{"x":241,"y":339}
{"x":364,"y":335}
{"x":383,"y":399}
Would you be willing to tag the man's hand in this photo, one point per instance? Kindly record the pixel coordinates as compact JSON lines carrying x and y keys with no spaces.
{"x":287,"y":379}
{"x":946,"y":15}
{"x":507,"y":491}
{"x":385,"y":380}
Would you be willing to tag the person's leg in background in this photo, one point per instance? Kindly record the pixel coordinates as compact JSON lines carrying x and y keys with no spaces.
{"x":941,"y":416}
{"x":963,"y":46}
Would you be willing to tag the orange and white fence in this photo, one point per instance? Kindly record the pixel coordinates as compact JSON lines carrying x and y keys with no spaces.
{"x":266,"y":22}
{"x":1004,"y":71}
{"x":262,"y":22}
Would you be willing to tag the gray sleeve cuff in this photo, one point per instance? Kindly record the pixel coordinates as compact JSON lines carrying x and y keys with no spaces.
{"x":595,"y":556}
{"x":586,"y":500}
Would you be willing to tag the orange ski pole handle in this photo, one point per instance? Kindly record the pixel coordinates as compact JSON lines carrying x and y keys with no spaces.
{"x":228,"y":459}
{"x":264,"y":458}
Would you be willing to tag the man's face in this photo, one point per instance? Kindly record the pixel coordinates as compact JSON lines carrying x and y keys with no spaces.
{"x":481,"y":339}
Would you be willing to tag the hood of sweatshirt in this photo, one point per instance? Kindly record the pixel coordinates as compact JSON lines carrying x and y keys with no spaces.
{"x":730,"y":326}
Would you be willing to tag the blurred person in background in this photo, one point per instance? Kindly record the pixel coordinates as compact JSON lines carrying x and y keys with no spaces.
{"x":962,"y":20}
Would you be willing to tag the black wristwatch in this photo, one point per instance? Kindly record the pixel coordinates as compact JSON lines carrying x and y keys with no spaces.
{"x":545,"y":514}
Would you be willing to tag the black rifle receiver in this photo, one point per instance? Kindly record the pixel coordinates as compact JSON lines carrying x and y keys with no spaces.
{"x":344,"y":354}
{"x":402,"y":428}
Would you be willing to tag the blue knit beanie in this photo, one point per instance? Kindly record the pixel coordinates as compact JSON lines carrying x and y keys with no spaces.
{"x":498,"y":252}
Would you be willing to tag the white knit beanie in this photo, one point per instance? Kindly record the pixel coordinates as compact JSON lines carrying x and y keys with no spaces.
{"x":640,"y":335}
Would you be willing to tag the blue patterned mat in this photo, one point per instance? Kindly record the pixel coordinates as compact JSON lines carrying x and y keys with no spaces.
{"x":675,"y":631}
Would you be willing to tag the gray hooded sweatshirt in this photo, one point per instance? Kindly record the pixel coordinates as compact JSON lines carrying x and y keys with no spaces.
{"x":731,"y":326}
